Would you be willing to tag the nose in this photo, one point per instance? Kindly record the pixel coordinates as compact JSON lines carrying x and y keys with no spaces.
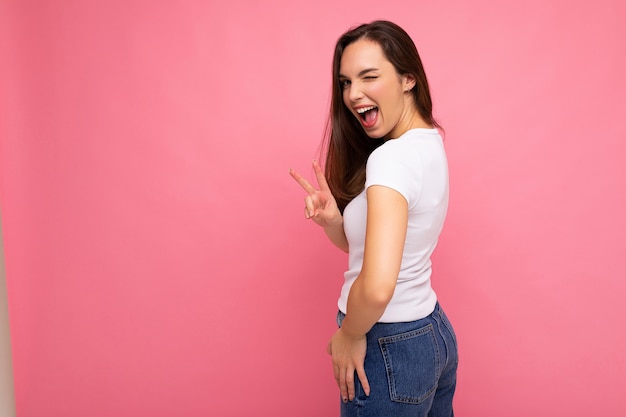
{"x":355,"y":93}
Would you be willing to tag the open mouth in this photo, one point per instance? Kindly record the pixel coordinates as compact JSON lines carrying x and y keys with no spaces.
{"x":368,"y":115}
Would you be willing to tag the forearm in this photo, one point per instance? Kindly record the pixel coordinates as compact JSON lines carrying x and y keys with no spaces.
{"x":337,"y":235}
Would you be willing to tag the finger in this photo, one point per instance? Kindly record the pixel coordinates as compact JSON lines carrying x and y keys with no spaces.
{"x":319,"y":175}
{"x":342,"y":385}
{"x":350,"y":383}
{"x":302,"y":181}
{"x":363,"y":378}
{"x":309,"y":206}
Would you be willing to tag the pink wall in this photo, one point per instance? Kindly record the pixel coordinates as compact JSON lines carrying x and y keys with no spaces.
{"x":158,"y":262}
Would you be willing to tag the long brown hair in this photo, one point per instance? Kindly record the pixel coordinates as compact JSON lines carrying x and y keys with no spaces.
{"x":348,"y":146}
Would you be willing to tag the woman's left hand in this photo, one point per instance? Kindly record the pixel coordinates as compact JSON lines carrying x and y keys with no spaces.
{"x":348,"y":352}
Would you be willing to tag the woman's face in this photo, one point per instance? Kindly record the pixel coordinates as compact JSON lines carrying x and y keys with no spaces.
{"x":374,"y":92}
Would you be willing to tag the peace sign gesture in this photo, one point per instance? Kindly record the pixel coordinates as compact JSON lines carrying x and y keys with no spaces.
{"x":319,"y":205}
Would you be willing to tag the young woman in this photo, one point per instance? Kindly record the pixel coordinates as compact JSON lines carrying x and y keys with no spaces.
{"x":383,"y":199}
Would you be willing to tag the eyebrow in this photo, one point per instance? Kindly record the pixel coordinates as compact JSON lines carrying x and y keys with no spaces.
{"x":361,"y":73}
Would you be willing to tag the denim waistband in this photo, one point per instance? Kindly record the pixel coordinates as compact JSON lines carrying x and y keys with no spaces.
{"x":380,"y":329}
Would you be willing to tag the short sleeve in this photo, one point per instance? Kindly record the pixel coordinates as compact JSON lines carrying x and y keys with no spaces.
{"x":389,"y":166}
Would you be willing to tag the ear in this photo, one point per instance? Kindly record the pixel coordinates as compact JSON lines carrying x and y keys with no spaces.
{"x":408,"y":82}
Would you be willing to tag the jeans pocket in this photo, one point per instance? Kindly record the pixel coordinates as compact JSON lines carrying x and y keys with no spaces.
{"x":412,"y":364}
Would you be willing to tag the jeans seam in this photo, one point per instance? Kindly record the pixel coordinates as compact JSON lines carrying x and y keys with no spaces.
{"x":448,"y":325}
{"x":439,"y":321}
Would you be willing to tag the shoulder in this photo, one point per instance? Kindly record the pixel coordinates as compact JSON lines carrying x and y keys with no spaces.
{"x":407,"y":149}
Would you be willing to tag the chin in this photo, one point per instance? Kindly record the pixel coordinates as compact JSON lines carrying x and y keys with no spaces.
{"x":376,"y":133}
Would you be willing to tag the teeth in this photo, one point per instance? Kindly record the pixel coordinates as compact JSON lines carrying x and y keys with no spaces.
{"x":364,"y":109}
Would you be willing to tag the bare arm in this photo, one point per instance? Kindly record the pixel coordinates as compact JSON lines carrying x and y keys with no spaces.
{"x":337,"y":235}
{"x":387,"y":220}
{"x":321,"y":207}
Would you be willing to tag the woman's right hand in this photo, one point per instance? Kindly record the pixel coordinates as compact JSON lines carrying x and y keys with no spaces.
{"x":319,"y":205}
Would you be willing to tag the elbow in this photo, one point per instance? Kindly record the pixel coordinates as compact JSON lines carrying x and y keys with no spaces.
{"x":378,"y":295}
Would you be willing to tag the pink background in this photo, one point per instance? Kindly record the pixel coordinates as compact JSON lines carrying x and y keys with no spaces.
{"x":158,"y":262}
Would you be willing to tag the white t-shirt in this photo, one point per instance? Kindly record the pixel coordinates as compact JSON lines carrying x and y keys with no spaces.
{"x":415,"y":165}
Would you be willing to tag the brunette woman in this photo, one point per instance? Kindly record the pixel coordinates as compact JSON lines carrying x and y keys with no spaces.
{"x":383,"y":199}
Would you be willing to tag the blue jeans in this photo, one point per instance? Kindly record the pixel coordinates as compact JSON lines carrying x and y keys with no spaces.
{"x":411,"y":368}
